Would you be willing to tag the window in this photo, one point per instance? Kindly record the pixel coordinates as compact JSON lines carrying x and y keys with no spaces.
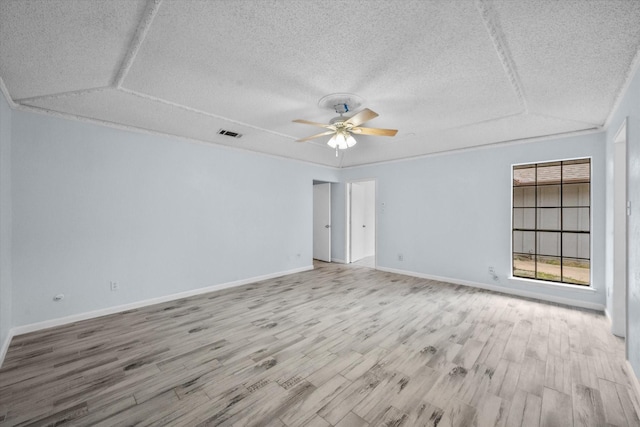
{"x":551,"y":221}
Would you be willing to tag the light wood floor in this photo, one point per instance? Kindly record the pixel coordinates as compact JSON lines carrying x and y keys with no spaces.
{"x":340,"y":345}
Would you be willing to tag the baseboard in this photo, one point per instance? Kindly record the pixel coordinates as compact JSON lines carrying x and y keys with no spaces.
{"x":611,"y":325}
{"x":5,"y":346}
{"x":635,"y":383}
{"x":338,"y":261}
{"x":24,"y":329}
{"x":499,"y":289}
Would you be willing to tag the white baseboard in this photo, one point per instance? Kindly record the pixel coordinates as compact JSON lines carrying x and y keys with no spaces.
{"x":635,"y":383}
{"x":611,"y":326}
{"x":500,"y":289}
{"x":338,"y":261}
{"x":19,"y":330}
{"x":5,"y":346}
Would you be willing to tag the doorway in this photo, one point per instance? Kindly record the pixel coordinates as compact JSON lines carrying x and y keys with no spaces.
{"x":322,"y":221}
{"x":620,"y":212}
{"x":361,"y":224}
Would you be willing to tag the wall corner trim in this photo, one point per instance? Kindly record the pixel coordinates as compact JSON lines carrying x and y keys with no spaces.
{"x":24,"y":329}
{"x":499,"y":289}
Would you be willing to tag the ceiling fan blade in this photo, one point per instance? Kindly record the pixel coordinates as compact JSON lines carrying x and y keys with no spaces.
{"x":329,"y":132}
{"x":363,"y":116}
{"x":374,"y":131}
{"x":307,"y":122}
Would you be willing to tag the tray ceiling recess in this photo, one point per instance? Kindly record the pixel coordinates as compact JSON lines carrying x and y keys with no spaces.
{"x":519,"y":70}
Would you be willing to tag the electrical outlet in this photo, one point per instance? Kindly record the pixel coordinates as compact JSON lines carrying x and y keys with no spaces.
{"x":400,"y":257}
{"x":114,"y":286}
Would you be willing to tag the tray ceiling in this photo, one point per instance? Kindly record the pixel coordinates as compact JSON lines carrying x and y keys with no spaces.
{"x":447,"y":74}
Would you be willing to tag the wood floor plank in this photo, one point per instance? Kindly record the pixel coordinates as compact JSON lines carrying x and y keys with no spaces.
{"x":532,"y":411}
{"x":458,"y":414}
{"x":556,"y":409}
{"x":517,"y":343}
{"x":492,"y":411}
{"x":341,"y":345}
{"x":632,"y":415}
{"x":587,"y":406}
{"x":613,"y":410}
{"x":343,"y":403}
{"x":304,"y":411}
{"x":391,"y":417}
{"x":558,"y":374}
{"x":532,"y":375}
{"x":352,"y":420}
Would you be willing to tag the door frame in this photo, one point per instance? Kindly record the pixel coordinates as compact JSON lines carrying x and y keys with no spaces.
{"x":621,"y":137}
{"x":347,"y":240}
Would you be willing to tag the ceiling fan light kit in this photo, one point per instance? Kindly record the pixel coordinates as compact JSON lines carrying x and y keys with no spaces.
{"x":342,"y":141}
{"x":342,"y":128}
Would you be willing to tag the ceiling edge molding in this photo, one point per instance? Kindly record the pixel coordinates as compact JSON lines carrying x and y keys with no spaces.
{"x":133,"y":129}
{"x":492,"y":24}
{"x":204,"y":113}
{"x":634,"y":68}
{"x":26,"y":101}
{"x":562,"y":119}
{"x":495,"y":119}
{"x":7,"y":96}
{"x":499,"y":144}
{"x":150,"y":11}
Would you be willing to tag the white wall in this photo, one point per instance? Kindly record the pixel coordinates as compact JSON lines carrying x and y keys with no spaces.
{"x":158,"y":215}
{"x":629,"y":108}
{"x":449,"y":215}
{"x":5,"y":224}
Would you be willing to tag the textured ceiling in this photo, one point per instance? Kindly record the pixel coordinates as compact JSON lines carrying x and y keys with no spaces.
{"x":447,"y":74}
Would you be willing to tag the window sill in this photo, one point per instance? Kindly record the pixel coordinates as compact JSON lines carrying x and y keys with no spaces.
{"x":554,"y":285}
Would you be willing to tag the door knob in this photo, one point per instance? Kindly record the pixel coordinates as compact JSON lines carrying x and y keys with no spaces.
{"x":327,"y":226}
{"x":364,"y":226}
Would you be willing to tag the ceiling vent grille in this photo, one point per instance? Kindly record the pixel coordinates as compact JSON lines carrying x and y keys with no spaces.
{"x":229,"y":133}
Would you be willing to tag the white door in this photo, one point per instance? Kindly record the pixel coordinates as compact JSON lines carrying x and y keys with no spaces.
{"x":322,"y":222}
{"x":357,"y":222}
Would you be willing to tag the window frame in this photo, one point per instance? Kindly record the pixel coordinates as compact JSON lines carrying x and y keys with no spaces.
{"x":544,"y":281}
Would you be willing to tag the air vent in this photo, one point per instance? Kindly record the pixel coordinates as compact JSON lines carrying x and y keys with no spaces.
{"x":229,"y":133}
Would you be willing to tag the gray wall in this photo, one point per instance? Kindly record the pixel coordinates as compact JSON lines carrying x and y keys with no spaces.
{"x":450,"y":214}
{"x":5,"y":222}
{"x":158,"y":215}
{"x":629,"y":108}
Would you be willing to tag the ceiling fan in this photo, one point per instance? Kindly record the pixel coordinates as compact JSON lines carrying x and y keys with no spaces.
{"x":343,"y":128}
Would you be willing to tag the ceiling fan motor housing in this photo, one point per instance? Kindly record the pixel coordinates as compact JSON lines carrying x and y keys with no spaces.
{"x":337,"y":120}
